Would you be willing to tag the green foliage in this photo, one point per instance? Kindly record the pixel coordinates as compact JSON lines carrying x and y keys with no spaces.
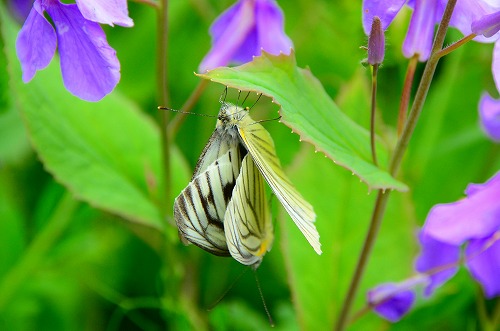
{"x":86,"y":237}
{"x":308,"y":110}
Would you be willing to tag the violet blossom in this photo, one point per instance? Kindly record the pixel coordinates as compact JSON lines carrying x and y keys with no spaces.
{"x":243,"y":30}
{"x":489,"y":115}
{"x":473,"y":222}
{"x":89,"y":66}
{"x":392,"y":300}
{"x":426,"y":14}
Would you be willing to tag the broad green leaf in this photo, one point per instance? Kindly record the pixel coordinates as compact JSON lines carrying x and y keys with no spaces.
{"x":343,"y":208}
{"x":308,"y":110}
{"x":106,"y":153}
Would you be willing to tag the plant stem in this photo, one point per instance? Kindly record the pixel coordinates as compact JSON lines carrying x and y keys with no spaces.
{"x":495,"y":316}
{"x":163,"y":98}
{"x":37,"y":249}
{"x":150,"y":3}
{"x":454,"y":46}
{"x":401,"y":146}
{"x":175,"y":124}
{"x":405,"y":95}
{"x":422,"y":91}
{"x":372,"y":113}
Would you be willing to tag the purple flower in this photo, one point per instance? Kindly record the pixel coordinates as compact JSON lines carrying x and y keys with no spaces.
{"x":426,"y":14}
{"x":245,"y":29}
{"x":487,"y":25}
{"x":392,"y":301}
{"x":489,"y":115}
{"x":89,"y":66}
{"x":474,"y":221}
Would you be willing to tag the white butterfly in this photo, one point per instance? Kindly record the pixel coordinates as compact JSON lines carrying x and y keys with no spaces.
{"x":224,"y":209}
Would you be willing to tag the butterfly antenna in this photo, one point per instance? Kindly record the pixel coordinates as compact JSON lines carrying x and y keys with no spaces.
{"x":213,"y":305}
{"x":268,"y":120}
{"x":184,"y":112}
{"x":260,"y":94}
{"x":271,"y":322}
{"x":245,"y":98}
{"x":223,"y":96}
{"x":238,"y":101}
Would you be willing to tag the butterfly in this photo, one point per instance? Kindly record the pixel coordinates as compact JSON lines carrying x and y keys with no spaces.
{"x":224,"y":209}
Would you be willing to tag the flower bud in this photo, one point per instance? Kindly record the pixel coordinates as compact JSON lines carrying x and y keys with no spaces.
{"x":376,"y":43}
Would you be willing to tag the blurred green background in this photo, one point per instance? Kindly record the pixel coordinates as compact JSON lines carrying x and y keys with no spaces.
{"x":68,"y":262}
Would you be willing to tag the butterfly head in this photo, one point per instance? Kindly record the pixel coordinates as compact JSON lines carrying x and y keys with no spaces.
{"x":230,"y":115}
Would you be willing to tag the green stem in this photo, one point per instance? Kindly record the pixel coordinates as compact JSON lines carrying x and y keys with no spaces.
{"x":495,"y":316}
{"x":37,"y":250}
{"x":422,"y":91}
{"x":163,"y":98}
{"x":454,"y":46}
{"x":395,"y":164}
{"x":150,"y":3}
{"x":175,"y":124}
{"x":405,"y":95}
{"x":372,"y":113}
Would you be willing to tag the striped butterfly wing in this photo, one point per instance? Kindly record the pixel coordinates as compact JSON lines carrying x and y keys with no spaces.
{"x":219,"y":143}
{"x":200,"y":208}
{"x":261,"y":147}
{"x":247,"y":223}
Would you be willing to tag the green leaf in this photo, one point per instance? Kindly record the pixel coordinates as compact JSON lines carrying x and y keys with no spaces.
{"x":308,"y":110}
{"x":106,"y":153}
{"x":343,"y":207}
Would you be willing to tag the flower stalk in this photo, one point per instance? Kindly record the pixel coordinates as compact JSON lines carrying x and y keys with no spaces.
{"x":401,"y":146}
{"x":163,"y":97}
{"x":372,"y":113}
{"x":175,"y":124}
{"x":405,"y":95}
{"x":376,"y":52}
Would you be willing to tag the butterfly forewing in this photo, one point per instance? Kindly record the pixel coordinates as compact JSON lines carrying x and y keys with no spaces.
{"x":261,"y":147}
{"x":200,"y":208}
{"x":247,"y":223}
{"x":219,"y":143}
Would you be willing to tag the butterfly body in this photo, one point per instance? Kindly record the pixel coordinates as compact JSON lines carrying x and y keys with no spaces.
{"x":224,"y":209}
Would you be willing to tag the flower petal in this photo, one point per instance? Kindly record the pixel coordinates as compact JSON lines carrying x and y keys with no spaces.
{"x":489,"y":115}
{"x":89,"y":66}
{"x":485,"y":267}
{"x":106,"y":11}
{"x":439,"y":260}
{"x":36,"y":43}
{"x":386,"y":10}
{"x":487,"y":25}
{"x":229,"y":32}
{"x":390,"y":301}
{"x":495,"y":64}
{"x":421,"y":30}
{"x":271,"y":28}
{"x":469,"y":11}
{"x":474,"y":217}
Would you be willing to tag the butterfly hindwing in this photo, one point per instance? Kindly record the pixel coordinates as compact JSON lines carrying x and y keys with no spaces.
{"x":200,"y":208}
{"x":247,"y":223}
{"x":261,"y":147}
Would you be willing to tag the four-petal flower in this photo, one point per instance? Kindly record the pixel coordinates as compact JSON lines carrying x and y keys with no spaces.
{"x":89,"y":66}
